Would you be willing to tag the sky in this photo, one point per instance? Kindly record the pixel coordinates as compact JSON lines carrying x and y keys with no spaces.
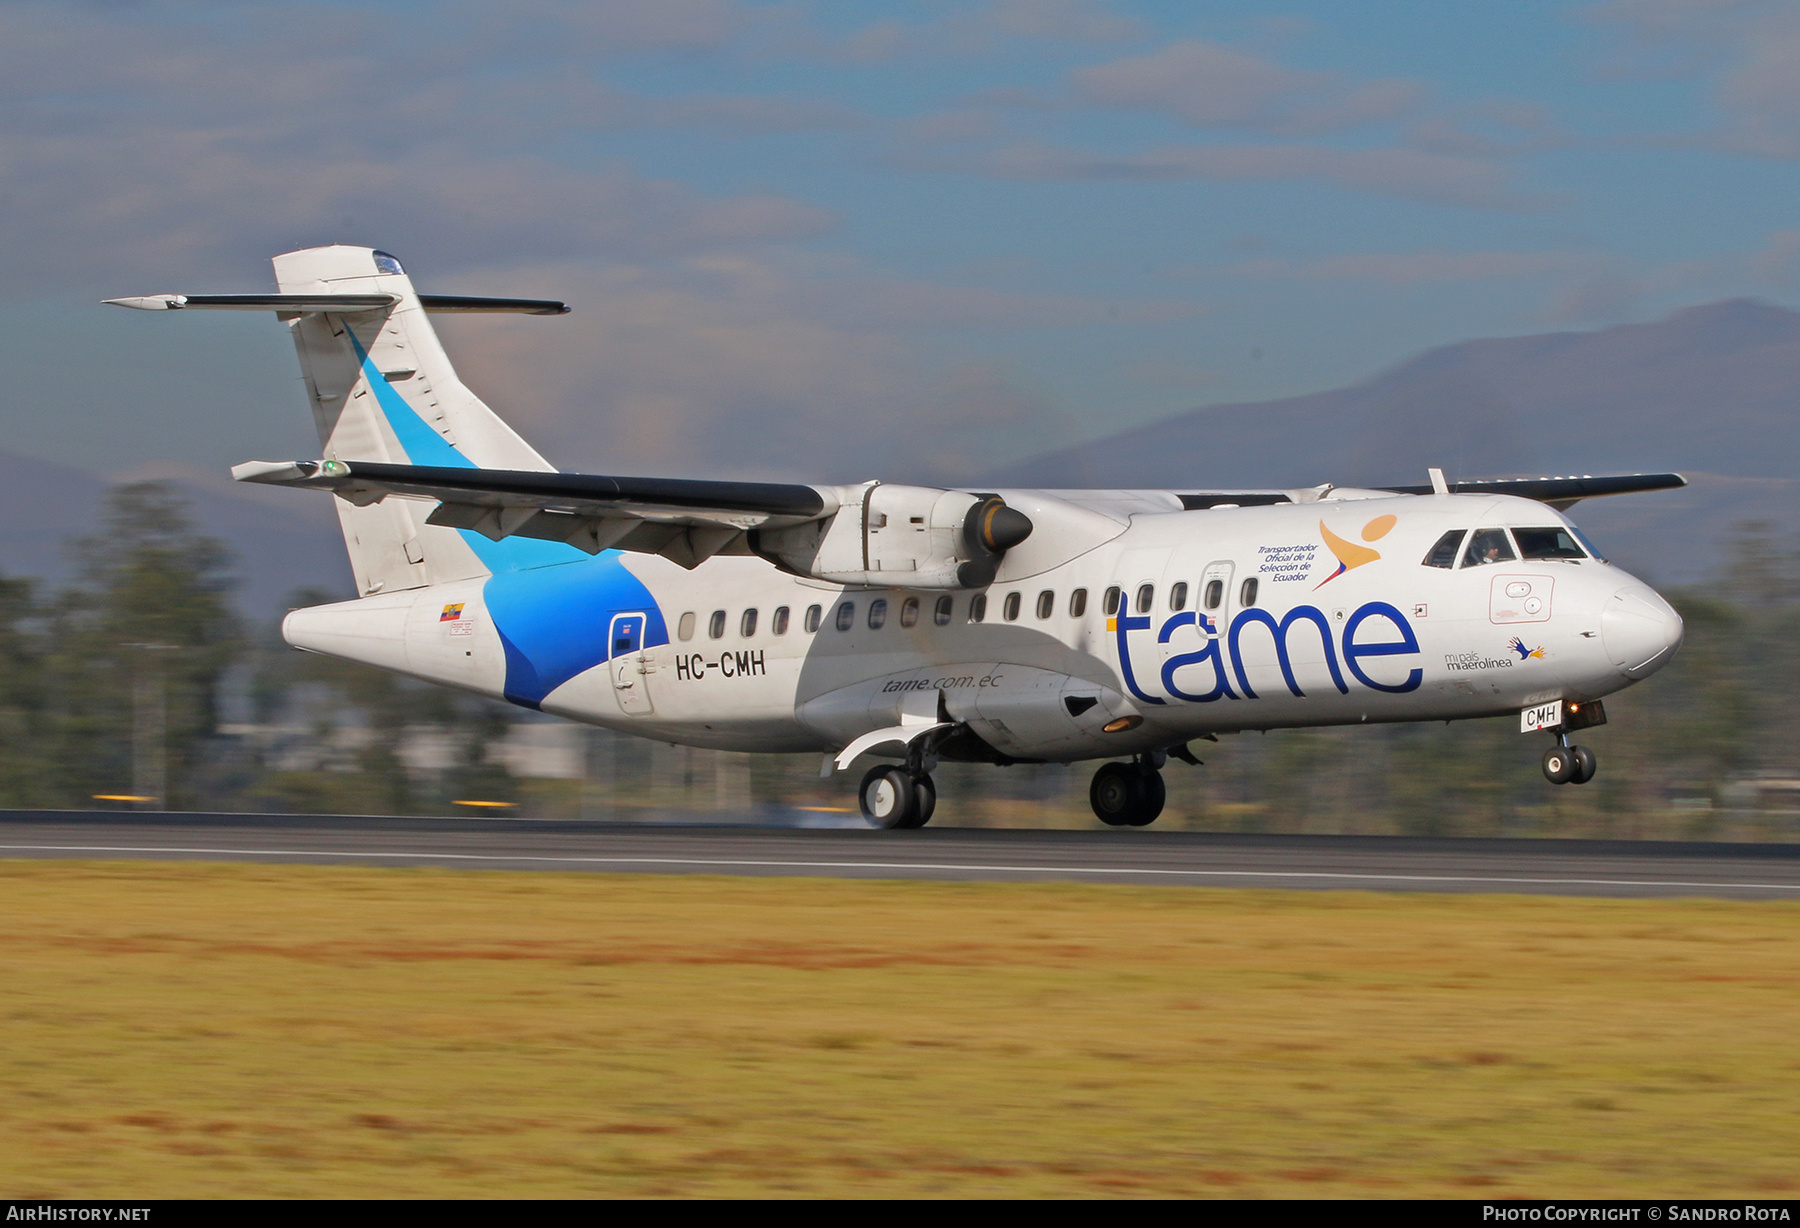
{"x":830,"y":242}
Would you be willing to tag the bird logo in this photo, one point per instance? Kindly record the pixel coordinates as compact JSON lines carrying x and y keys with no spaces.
{"x":1349,"y":554}
{"x":1525,"y":654}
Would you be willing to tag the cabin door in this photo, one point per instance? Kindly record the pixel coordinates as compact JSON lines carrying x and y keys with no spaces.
{"x":629,"y":664}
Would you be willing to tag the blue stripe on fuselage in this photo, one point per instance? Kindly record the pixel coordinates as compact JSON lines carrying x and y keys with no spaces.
{"x":553,"y":621}
{"x":551,"y":603}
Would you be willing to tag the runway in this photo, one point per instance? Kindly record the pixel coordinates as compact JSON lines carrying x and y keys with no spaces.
{"x":1358,"y":863}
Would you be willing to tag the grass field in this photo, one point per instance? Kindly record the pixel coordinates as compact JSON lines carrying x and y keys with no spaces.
{"x":198,"y":1030}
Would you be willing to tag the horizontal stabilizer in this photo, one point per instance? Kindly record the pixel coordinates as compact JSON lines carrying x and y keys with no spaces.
{"x":1558,"y":492}
{"x":341,"y":303}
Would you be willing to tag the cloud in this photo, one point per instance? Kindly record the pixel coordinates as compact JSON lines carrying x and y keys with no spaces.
{"x":1422,"y":267}
{"x":719,"y":366}
{"x":1208,"y":85}
{"x":1747,"y":50}
{"x":608,"y":28}
{"x":133,"y":144}
{"x":1405,"y":173}
{"x":1073,"y":20}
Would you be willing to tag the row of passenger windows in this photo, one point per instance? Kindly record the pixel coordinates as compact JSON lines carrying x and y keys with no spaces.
{"x":844,"y":618}
{"x":943,"y":609}
{"x":1497,"y":546}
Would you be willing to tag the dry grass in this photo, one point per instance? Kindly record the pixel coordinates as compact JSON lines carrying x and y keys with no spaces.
{"x":198,"y":1030}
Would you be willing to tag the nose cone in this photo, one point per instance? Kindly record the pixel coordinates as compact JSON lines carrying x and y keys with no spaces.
{"x":1641,"y":631}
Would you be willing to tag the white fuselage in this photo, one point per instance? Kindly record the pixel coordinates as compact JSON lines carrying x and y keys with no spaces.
{"x":1346,"y":624}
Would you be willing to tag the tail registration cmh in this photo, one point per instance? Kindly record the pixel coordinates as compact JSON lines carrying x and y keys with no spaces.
{"x":918,"y":624}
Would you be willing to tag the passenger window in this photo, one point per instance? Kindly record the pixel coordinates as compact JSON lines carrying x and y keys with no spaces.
{"x":1178,"y":596}
{"x":1010,"y":610}
{"x":941,"y":614}
{"x":1444,"y":553}
{"x":909,"y":612}
{"x":1556,"y":543}
{"x":747,"y":624}
{"x":778,"y":624}
{"x":685,"y":628}
{"x":1487,"y":546}
{"x":1247,"y":594}
{"x":1078,"y":603}
{"x":1145,"y":595}
{"x":978,"y":608}
{"x":715,"y":626}
{"x":877,"y":614}
{"x":846,"y":615}
{"x":1046,"y":604}
{"x":813,"y":615}
{"x":1111,"y":604}
{"x":1215,"y":593}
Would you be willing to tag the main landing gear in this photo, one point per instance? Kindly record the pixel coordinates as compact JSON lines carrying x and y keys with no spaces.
{"x":897,"y":796}
{"x":1128,"y":794}
{"x":1569,"y":765}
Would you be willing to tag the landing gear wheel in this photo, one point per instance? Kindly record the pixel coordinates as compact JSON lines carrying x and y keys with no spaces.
{"x":1115,"y":793}
{"x":1126,"y":794}
{"x":927,"y":800}
{"x":1559,"y":765}
{"x":889,"y":798}
{"x":1586,"y":764}
{"x":1155,"y":794}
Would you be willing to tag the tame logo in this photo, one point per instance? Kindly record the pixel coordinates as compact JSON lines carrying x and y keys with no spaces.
{"x":1349,"y":554}
{"x":1362,"y":638}
{"x":1525,"y":654}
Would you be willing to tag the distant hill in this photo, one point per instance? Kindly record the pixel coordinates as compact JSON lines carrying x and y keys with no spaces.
{"x":1712,"y":391}
{"x":44,"y":505}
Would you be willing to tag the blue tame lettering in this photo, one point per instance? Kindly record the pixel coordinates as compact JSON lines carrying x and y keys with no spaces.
{"x":1220,"y":688}
{"x":1279,"y":632}
{"x":1407,"y":643}
{"x":1122,"y":625}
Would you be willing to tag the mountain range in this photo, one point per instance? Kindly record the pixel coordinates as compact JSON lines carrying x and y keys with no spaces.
{"x":1709,"y":391}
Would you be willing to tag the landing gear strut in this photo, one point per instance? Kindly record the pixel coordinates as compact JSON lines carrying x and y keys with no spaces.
{"x":897,"y":797}
{"x":1127,"y":794}
{"x":1569,"y":765}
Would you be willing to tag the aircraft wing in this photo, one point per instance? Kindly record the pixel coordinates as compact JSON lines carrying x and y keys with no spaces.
{"x":1559,"y":493}
{"x":683,"y":519}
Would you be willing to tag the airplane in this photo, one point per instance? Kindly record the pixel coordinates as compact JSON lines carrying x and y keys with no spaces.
{"x":921,"y":624}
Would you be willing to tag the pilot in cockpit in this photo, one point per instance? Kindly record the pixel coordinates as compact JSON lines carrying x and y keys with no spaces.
{"x":1487,"y":546}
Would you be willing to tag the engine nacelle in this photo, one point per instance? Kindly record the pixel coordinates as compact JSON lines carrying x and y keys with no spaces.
{"x":915,"y":536}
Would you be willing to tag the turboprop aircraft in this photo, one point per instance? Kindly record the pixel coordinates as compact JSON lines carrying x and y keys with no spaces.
{"x":919,"y":624}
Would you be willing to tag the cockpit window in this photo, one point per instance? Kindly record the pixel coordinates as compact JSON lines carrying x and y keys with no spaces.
{"x":1586,"y":543}
{"x":1444,"y":553}
{"x":1488,"y":546}
{"x":385,"y":263}
{"x":1557,"y":543}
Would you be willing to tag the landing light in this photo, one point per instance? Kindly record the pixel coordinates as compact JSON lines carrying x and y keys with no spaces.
{"x":1122,"y":724}
{"x":497,"y":805}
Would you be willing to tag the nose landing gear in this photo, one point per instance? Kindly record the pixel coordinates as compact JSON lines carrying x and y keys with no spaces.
{"x":1569,"y":765}
{"x":1127,"y":794}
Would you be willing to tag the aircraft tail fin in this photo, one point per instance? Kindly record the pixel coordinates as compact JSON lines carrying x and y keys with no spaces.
{"x":383,"y":390}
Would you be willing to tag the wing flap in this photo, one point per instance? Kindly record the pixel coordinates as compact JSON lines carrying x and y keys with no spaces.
{"x":685,"y":520}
